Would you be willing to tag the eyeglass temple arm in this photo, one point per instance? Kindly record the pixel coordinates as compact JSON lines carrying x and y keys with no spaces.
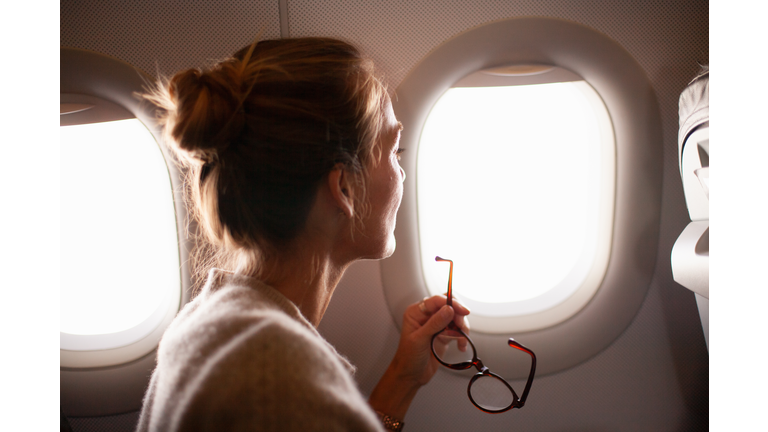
{"x":449,"y":295}
{"x":514,"y":344}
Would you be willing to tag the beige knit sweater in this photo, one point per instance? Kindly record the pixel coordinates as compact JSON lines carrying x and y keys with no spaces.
{"x":240,"y":356}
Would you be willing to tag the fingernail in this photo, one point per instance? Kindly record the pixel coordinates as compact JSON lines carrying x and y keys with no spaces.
{"x":463,"y":306}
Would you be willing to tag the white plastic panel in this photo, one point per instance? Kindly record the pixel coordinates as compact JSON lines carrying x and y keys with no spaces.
{"x":690,"y":254}
{"x":690,"y":258}
{"x":696,"y":180}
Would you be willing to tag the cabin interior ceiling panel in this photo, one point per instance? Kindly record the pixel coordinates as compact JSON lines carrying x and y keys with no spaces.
{"x":166,"y":36}
{"x":655,"y":375}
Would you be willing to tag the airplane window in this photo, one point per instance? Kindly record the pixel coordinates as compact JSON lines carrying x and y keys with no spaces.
{"x":120,"y":261}
{"x":510,"y":186}
{"x":541,"y":184}
{"x":124,"y":262}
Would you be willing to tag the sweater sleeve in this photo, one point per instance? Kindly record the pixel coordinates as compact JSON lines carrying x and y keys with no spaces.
{"x":273,"y":376}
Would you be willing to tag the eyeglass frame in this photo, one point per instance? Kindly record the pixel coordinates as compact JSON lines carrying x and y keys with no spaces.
{"x":518,"y":402}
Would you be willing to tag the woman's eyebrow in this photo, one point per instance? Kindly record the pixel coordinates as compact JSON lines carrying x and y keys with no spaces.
{"x":399,"y":126}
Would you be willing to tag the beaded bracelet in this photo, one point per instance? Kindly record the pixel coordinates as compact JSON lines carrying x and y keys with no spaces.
{"x":390,"y":423}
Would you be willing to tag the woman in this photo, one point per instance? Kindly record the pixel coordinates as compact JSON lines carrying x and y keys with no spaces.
{"x":292,"y":150}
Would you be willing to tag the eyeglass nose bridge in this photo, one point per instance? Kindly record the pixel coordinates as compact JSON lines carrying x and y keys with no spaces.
{"x":478,"y":364}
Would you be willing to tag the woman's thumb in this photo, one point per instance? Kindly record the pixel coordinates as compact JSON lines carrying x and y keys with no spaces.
{"x":438,"y":321}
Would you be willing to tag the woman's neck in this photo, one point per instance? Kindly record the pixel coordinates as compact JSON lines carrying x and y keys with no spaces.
{"x":309,"y":270}
{"x":307,"y":279}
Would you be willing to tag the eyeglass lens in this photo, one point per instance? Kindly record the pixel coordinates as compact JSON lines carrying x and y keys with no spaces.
{"x":453,"y":348}
{"x":491,"y":393}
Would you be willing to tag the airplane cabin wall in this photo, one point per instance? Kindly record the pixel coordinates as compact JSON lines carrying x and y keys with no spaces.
{"x":654,"y":376}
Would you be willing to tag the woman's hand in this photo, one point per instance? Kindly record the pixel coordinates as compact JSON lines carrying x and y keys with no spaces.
{"x":413,"y":364}
{"x":414,"y":360}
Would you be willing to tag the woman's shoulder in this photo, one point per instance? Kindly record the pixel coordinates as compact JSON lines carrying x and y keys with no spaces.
{"x":226,"y":312}
{"x":274,"y":374}
{"x":237,"y":356}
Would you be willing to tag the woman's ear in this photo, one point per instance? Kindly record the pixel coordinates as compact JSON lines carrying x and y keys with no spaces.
{"x":340,"y":185}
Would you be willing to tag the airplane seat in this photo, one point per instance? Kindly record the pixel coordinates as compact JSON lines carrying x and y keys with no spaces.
{"x":690,"y":254}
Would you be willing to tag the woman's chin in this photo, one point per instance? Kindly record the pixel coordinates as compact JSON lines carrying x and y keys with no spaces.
{"x":385,"y":251}
{"x":389,"y":251}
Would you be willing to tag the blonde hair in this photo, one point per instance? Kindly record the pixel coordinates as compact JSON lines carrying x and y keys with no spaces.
{"x":257,"y":132}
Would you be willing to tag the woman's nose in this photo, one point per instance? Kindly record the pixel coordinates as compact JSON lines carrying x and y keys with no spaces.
{"x":402,"y":171}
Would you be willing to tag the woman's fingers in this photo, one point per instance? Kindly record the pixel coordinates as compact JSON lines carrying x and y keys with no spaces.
{"x":423,"y":313}
{"x":421,"y":321}
{"x":462,"y":322}
{"x":429,"y":305}
{"x":459,"y":307}
{"x":438,"y":321}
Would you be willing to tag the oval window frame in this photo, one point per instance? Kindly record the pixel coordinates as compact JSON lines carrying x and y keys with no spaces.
{"x":113,"y":381}
{"x":631,"y":103}
{"x":96,"y":350}
{"x":561,"y":308}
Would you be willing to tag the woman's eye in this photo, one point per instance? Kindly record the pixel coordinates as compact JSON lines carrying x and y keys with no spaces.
{"x":399,"y":151}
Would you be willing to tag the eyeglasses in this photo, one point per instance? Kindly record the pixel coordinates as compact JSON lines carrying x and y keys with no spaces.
{"x":487,"y":391}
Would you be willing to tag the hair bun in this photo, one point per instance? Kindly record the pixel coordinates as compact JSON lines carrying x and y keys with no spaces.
{"x":208,"y":115}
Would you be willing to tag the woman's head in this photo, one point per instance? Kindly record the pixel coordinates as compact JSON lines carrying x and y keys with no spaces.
{"x":259,"y":131}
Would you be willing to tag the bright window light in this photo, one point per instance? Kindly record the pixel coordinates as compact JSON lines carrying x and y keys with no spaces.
{"x":509,"y":188}
{"x":119,"y":245}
